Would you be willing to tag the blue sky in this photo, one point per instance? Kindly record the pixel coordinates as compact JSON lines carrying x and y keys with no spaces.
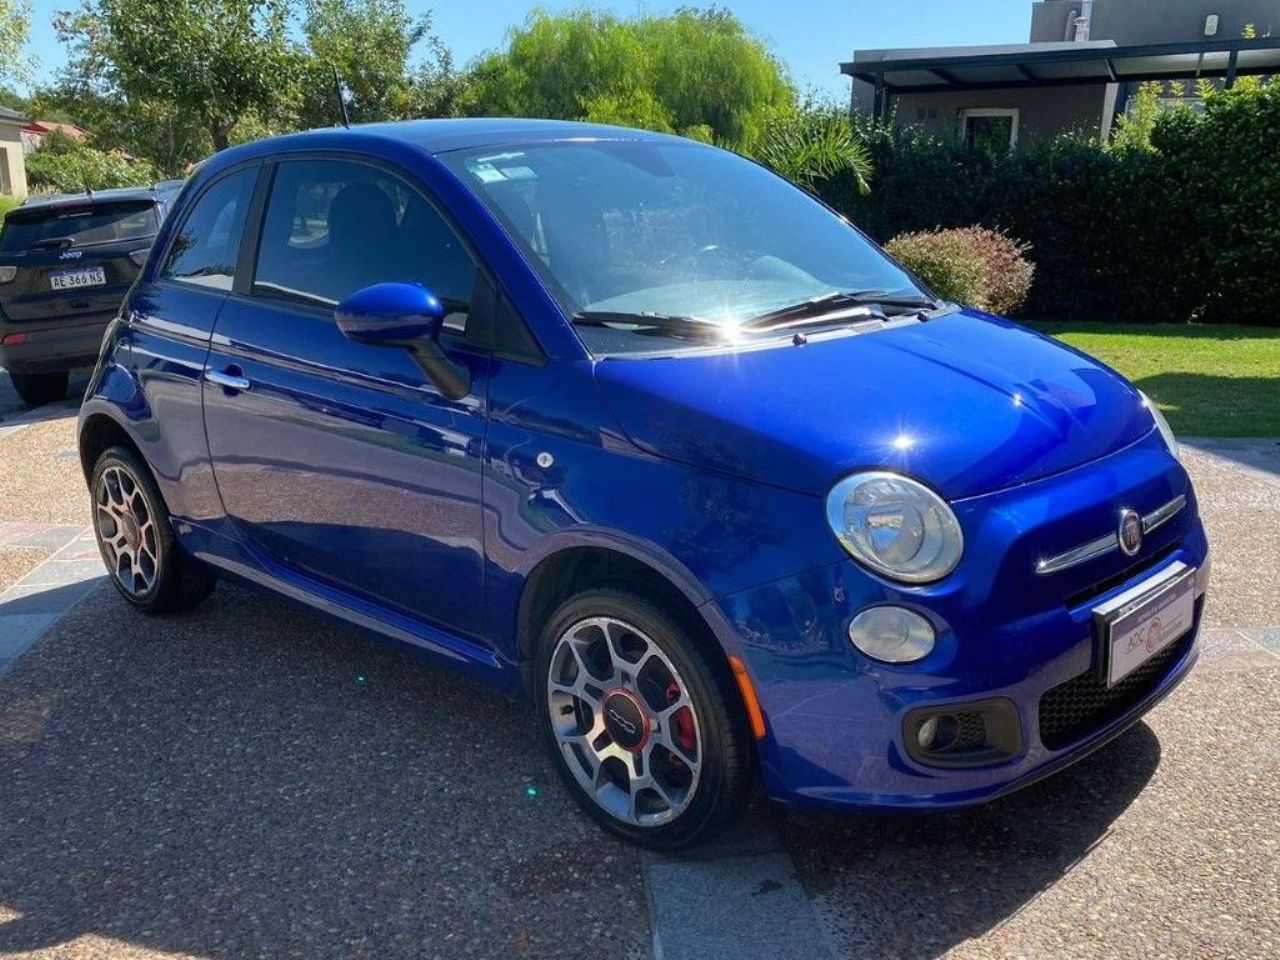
{"x":810,"y":36}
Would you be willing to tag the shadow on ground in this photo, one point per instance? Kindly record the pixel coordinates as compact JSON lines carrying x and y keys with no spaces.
{"x":913,"y":887}
{"x":250,"y":780}
{"x":11,"y":405}
{"x":1206,"y":405}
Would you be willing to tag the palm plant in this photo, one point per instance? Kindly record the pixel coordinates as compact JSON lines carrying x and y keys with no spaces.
{"x":810,"y":144}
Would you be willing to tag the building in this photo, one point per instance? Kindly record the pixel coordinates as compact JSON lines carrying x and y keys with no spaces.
{"x":1084,"y":61}
{"x":35,"y":132}
{"x":13,"y":168}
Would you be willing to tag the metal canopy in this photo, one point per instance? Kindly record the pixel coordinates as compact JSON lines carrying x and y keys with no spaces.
{"x":1060,"y":64}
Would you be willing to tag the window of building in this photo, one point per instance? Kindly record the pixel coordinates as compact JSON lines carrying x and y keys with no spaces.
{"x":994,"y":129}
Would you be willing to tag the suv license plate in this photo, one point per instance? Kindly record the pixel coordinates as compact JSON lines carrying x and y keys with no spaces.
{"x":1141,"y":622}
{"x":74,"y":279}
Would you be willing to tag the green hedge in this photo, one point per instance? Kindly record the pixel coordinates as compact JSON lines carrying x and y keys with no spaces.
{"x":1188,"y":228}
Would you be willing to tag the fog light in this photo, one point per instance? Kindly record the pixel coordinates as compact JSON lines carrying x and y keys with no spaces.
{"x":928,"y":730}
{"x":892,"y":634}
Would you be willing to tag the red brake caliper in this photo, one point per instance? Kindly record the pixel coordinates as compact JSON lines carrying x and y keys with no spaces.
{"x":682,"y":722}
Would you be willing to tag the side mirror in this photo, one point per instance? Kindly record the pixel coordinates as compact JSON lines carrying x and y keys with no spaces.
{"x":408,"y":316}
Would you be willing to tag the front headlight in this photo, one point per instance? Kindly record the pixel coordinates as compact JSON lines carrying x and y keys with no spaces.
{"x":896,"y":526}
{"x":1162,"y":425}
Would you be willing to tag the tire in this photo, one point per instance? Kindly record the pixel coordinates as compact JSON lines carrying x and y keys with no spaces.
{"x":37,"y":389}
{"x":131,"y":522}
{"x":643,"y":722}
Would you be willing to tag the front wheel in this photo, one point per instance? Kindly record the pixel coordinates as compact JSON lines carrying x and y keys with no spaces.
{"x":37,"y":389}
{"x":131,"y":522}
{"x":648,"y":734}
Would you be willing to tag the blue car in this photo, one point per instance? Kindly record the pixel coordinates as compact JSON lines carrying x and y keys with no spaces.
{"x":630,"y":427}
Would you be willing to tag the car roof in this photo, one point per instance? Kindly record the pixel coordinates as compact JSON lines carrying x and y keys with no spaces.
{"x":433,"y":136}
{"x":53,"y":201}
{"x":443,"y":136}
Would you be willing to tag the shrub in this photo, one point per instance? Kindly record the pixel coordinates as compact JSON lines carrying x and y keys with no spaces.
{"x":1185,"y":227}
{"x":973,"y":265}
{"x":63,"y":165}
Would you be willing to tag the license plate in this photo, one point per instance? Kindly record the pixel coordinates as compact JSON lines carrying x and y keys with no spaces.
{"x":75,"y":279}
{"x":1141,"y":622}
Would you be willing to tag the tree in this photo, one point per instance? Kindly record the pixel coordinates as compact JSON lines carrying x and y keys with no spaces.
{"x":212,"y":60}
{"x":693,"y":70}
{"x":15,"y":25}
{"x":370,"y":43}
{"x":144,"y":128}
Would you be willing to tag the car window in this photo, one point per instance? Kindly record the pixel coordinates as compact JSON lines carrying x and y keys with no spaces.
{"x":79,"y":226}
{"x":205,"y":250}
{"x":623,"y":229}
{"x":334,"y":227}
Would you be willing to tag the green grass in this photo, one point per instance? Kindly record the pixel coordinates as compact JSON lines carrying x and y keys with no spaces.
{"x":7,"y":203}
{"x":1210,"y":380}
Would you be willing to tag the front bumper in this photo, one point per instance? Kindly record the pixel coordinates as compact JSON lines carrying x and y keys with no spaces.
{"x":835,"y":719}
{"x":53,"y":346}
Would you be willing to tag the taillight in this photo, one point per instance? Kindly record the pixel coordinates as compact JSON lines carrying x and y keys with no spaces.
{"x":139,"y":257}
{"x":8,"y":274}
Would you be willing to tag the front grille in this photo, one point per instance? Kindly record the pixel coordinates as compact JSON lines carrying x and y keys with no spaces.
{"x":1084,"y":703}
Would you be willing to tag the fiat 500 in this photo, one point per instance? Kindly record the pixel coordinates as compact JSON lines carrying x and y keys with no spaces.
{"x":630,"y":426}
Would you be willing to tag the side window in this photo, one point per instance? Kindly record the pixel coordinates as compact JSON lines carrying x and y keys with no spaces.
{"x":336,"y":226}
{"x":205,"y":250}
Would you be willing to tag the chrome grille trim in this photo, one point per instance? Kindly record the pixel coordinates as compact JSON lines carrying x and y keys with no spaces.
{"x":1104,"y":545}
{"x":1162,"y":514}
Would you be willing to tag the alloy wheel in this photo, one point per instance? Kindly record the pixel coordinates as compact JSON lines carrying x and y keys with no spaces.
{"x":624,"y":720}
{"x":127,"y":531}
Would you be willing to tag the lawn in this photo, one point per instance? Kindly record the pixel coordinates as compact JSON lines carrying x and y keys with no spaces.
{"x":1210,"y":380}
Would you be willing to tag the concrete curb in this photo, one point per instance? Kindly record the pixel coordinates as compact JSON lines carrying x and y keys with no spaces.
{"x":738,"y":898}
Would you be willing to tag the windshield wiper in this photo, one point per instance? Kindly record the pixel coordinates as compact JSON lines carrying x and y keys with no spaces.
{"x":54,"y":243}
{"x":838,"y":305}
{"x":653,"y":324}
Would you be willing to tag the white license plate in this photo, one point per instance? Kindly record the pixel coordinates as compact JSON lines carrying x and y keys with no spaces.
{"x":1141,"y":622}
{"x":74,"y":279}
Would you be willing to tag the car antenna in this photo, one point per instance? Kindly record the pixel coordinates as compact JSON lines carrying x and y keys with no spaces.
{"x":84,"y":175}
{"x":342,"y":103}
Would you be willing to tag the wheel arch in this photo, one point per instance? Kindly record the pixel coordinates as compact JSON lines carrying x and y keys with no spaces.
{"x":560,"y":574}
{"x":98,"y":433}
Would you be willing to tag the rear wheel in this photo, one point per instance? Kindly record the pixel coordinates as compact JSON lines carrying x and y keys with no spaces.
{"x":131,"y":523}
{"x":646,"y":732}
{"x":37,"y":389}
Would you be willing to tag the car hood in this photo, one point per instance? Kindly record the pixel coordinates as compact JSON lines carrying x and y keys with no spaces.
{"x":967,"y":402}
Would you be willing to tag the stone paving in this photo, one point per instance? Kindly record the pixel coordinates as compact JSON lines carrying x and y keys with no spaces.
{"x":35,"y":602}
{"x":251,"y":780}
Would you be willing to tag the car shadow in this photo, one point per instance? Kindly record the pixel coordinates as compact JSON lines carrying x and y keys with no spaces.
{"x":252,"y":780}
{"x":11,"y":406}
{"x":913,"y":887}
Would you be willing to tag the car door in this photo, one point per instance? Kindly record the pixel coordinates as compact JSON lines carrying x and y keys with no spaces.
{"x":342,"y":462}
{"x":169,"y":320}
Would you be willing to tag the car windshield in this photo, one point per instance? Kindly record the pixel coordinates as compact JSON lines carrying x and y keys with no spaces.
{"x":79,"y":226}
{"x":688,"y":241}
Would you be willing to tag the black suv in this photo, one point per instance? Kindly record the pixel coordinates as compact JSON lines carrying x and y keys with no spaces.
{"x":66,"y":263}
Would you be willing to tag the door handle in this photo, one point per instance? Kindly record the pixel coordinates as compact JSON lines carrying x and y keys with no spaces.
{"x":229,"y":379}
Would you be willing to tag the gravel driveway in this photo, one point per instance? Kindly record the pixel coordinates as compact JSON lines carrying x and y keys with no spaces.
{"x":251,"y":780}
